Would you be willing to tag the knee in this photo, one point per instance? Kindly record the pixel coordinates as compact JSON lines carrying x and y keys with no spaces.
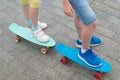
{"x":95,"y":23}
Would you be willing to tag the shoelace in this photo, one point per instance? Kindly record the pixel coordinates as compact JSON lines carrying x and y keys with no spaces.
{"x":39,"y":32}
{"x":91,"y":54}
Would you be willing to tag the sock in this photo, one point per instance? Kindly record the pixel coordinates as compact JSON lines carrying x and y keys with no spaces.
{"x":35,"y":28}
{"x":28,"y":22}
{"x":83,"y":50}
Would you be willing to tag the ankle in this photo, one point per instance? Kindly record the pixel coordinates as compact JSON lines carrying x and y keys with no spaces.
{"x":83,"y":50}
{"x":28,"y":22}
{"x":34,"y":28}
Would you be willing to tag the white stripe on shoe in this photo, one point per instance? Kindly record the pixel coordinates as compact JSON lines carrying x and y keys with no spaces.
{"x":87,"y":62}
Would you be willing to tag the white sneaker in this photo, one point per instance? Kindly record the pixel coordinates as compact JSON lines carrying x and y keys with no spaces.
{"x":40,"y":35}
{"x":42,"y":25}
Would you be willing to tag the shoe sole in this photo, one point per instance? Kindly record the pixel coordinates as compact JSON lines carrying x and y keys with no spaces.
{"x":80,"y":46}
{"x":87,"y":62}
{"x":43,"y":28}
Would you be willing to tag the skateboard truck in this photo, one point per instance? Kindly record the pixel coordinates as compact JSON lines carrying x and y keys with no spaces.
{"x":44,"y":50}
{"x":17,"y":38}
{"x":26,"y":34}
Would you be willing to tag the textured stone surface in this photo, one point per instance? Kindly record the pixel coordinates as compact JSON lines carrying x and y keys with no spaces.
{"x":23,"y":60}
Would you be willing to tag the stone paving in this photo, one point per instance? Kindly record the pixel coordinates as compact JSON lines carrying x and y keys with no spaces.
{"x":23,"y":60}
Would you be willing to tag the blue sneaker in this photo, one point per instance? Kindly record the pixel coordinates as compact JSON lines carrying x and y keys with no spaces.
{"x":90,"y":58}
{"x":94,"y":42}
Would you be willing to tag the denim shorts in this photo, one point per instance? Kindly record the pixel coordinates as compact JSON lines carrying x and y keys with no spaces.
{"x":83,"y":11}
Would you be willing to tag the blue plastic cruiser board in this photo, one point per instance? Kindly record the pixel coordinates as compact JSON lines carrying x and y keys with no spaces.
{"x":72,"y":54}
{"x":27,"y":34}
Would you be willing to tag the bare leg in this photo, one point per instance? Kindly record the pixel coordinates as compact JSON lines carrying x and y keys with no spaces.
{"x":34,"y":16}
{"x":25,"y":9}
{"x":79,"y":26}
{"x":84,"y":32}
{"x":87,"y":33}
{"x":30,"y":14}
{"x":30,"y":11}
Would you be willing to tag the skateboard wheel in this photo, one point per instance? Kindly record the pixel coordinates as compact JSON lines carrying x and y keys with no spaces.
{"x":64,"y":60}
{"x":44,"y":50}
{"x":98,"y":75}
{"x":17,"y":38}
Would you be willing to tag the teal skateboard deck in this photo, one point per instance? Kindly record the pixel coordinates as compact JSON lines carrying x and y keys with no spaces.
{"x":26,"y":33}
{"x":72,"y":53}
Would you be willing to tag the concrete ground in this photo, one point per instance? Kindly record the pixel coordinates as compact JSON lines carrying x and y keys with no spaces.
{"x":23,"y":60}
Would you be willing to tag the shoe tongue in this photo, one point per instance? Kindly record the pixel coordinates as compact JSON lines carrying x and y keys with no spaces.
{"x":91,"y":54}
{"x":89,"y":50}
